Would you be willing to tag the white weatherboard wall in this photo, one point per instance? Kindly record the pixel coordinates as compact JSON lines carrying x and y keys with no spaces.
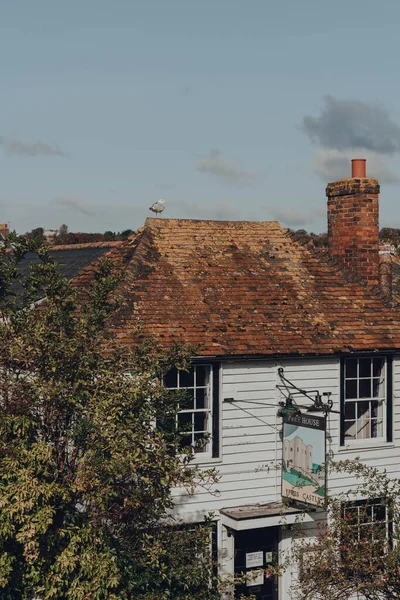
{"x":251,"y":449}
{"x":381,"y":455}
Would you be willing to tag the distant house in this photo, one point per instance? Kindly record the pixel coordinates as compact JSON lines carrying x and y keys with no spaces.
{"x":387,"y":248}
{"x":49,"y":235}
{"x":3,"y":232}
{"x":259,"y":303}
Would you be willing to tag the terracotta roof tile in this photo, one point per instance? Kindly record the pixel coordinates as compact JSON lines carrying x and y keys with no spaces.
{"x":244,"y":288}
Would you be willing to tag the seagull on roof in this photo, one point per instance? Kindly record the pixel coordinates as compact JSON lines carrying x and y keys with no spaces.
{"x":158,"y":207}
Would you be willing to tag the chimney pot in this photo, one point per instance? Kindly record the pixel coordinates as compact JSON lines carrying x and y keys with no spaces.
{"x":358,"y":168}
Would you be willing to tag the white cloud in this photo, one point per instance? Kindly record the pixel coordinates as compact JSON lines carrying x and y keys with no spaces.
{"x":75,"y":203}
{"x":332,"y":164}
{"x":20,"y":148}
{"x":290,"y":216}
{"x":224,"y":169}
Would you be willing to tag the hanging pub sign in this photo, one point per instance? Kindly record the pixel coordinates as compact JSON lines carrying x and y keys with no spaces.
{"x":303,"y":458}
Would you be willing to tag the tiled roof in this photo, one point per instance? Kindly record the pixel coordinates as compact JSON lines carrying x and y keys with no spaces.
{"x":396,"y":275}
{"x":110,"y":244}
{"x":70,"y":259}
{"x":244,"y":288}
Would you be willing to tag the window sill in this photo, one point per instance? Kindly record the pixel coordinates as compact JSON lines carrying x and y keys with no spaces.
{"x":366,"y":446}
{"x":205,"y":460}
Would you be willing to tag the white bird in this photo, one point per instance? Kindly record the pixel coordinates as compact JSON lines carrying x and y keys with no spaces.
{"x":158,"y":207}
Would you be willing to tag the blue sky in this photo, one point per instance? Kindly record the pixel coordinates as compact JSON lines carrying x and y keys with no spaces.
{"x":108,"y":106}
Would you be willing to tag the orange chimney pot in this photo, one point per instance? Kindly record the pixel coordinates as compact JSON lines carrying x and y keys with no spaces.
{"x":358,"y":168}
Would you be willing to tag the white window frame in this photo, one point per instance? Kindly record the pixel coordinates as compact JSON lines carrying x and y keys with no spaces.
{"x":360,"y":506}
{"x":206,"y":451}
{"x":381,"y":399}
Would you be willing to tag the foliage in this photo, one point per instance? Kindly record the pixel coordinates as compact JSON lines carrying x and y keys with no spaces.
{"x":37,"y":235}
{"x":354,"y":553}
{"x":65,"y":237}
{"x":85,"y":475}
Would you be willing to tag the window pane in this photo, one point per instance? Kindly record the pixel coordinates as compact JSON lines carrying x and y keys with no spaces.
{"x":185,"y":422}
{"x":375,"y":408}
{"x":363,"y":430}
{"x":366,"y":512}
{"x":202,"y":376}
{"x":350,"y":515}
{"x":378,"y":388}
{"x":171,"y":379}
{"x":200,"y":421}
{"x":350,"y":410}
{"x":376,"y":428}
{"x":365,"y":367}
{"x":185,"y":440}
{"x":363,"y":410}
{"x":351,"y":368}
{"x":187,"y":400}
{"x":378,"y":366}
{"x":379,"y":512}
{"x":202,"y":398}
{"x":186,"y":378}
{"x":350,"y":430}
{"x":200,"y":442}
{"x":167,"y":425}
{"x":365,"y":388}
{"x":351,"y":389}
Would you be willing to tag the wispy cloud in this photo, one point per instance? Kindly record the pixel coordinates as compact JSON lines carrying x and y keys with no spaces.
{"x":216,"y":211}
{"x":226,"y":170}
{"x":185,"y":90}
{"x":293,"y":217}
{"x":75,"y":203}
{"x":13,"y":146}
{"x":331,"y":164}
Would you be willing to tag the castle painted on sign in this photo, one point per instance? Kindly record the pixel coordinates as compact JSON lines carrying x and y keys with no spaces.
{"x":299,"y":456}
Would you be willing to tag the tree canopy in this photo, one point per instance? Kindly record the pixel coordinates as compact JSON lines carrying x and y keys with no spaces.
{"x":85,"y":473}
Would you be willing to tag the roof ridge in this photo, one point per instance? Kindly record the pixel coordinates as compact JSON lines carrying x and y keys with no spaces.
{"x":150,"y":222}
{"x":80,"y":246}
{"x":118,"y":251}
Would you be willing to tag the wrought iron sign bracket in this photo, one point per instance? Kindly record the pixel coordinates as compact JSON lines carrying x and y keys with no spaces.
{"x":319,"y":402}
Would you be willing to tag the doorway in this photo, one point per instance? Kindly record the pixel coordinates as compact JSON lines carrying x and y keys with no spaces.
{"x":255,"y":550}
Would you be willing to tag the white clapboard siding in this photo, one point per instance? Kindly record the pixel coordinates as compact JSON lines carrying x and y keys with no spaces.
{"x":249,"y":469}
{"x":251,"y":449}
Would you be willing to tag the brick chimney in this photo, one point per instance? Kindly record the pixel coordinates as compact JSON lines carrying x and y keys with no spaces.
{"x":353,"y":222}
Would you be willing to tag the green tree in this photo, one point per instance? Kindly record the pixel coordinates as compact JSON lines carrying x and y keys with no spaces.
{"x":36,"y":235}
{"x":85,"y":476}
{"x":125,"y":234}
{"x":355,"y":553}
{"x":62,"y":234}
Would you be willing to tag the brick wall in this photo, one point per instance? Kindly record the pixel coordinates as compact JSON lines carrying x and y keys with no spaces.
{"x":353,"y":226}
